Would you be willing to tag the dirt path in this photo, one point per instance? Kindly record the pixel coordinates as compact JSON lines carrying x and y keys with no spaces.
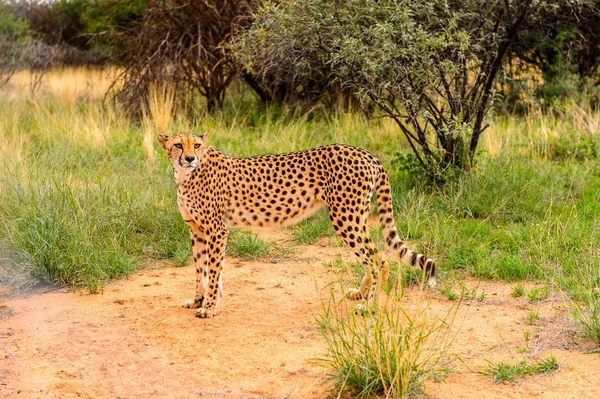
{"x":135,"y":341}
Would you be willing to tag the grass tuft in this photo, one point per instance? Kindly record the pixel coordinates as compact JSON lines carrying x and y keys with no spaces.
{"x":538,"y":294}
{"x":518,"y":291}
{"x":310,"y":230}
{"x":532,"y":316}
{"x":246,"y":245}
{"x":588,"y":316}
{"x":391,"y":351}
{"x":504,"y":372}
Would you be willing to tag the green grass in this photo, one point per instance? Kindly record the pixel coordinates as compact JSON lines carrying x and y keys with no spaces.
{"x":82,"y":200}
{"x":82,"y":210}
{"x":310,"y":230}
{"x":518,"y":291}
{"x":390,"y":352}
{"x":246,"y":245}
{"x":538,"y":294}
{"x":532,"y":316}
{"x":587,"y":314}
{"x":466,"y":294}
{"x":504,"y":372}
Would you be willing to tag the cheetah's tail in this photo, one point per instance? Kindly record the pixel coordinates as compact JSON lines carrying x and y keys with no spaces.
{"x":390,"y":232}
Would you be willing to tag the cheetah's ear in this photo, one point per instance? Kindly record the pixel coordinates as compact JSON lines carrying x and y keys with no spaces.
{"x":203,"y":136}
{"x":162,"y":139}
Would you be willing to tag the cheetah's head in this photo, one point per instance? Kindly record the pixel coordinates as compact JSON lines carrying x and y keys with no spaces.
{"x":185,"y":150}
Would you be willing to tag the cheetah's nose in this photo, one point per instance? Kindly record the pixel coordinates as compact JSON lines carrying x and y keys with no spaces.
{"x":189,"y":158}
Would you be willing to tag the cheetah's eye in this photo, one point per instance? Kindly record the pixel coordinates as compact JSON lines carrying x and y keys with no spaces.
{"x":196,"y":146}
{"x":178,"y":145}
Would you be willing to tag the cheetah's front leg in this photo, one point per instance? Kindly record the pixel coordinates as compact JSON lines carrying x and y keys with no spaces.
{"x":216,"y":253}
{"x":200,"y":254}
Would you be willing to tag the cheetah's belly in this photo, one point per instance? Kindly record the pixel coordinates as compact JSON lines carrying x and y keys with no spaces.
{"x":280,"y":215}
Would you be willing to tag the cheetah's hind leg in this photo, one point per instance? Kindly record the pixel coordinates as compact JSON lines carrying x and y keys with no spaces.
{"x":365,"y":286}
{"x":360,"y":293}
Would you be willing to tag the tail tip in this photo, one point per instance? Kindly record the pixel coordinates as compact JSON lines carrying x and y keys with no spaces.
{"x":430,"y":271}
{"x":431,"y":282}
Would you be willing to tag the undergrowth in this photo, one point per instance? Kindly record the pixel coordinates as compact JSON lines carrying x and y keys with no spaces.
{"x":86,"y":194}
{"x":504,"y":372}
{"x":390,"y":350}
{"x":246,"y":245}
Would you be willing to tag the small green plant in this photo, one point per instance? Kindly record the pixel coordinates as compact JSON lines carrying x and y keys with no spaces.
{"x":526,"y":338}
{"x":245,"y":245}
{"x":588,"y":316}
{"x":545,"y":366}
{"x":310,"y":230}
{"x":468,"y":293}
{"x":482,"y":296}
{"x":447,"y":291}
{"x":538,"y":294}
{"x":388,"y":351}
{"x":465,"y":293}
{"x":518,"y":291}
{"x":532,"y":316}
{"x":504,"y":372}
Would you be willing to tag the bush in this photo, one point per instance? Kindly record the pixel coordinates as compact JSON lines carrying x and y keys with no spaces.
{"x":389,"y":351}
{"x":14,"y":36}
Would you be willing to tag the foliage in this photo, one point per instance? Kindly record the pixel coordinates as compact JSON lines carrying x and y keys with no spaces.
{"x":110,"y":24}
{"x":59,"y":22}
{"x":565,"y":46}
{"x":390,"y":351}
{"x":428,"y":65}
{"x":14,"y":36}
{"x":245,"y":245}
{"x":504,"y":372}
{"x":184,"y":44}
{"x":60,"y":30}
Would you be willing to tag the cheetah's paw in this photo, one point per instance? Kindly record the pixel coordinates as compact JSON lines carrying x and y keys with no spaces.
{"x":363,"y":309}
{"x":431,"y":282}
{"x":354,"y":294}
{"x":204,"y":313}
{"x":192,"y":304}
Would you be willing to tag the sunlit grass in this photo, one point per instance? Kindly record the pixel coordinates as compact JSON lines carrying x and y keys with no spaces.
{"x":68,"y":85}
{"x":393,"y":350}
{"x":504,"y":372}
{"x":157,"y":118}
{"x":246,"y":245}
{"x":527,"y":211}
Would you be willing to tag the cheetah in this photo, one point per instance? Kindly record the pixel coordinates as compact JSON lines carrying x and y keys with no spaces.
{"x":216,"y":191}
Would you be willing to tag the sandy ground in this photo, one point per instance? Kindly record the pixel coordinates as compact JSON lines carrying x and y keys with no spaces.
{"x":136,"y":341}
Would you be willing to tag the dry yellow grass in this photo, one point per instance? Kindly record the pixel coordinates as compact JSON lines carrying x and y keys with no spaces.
{"x":69,"y":85}
{"x":157,"y":118}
